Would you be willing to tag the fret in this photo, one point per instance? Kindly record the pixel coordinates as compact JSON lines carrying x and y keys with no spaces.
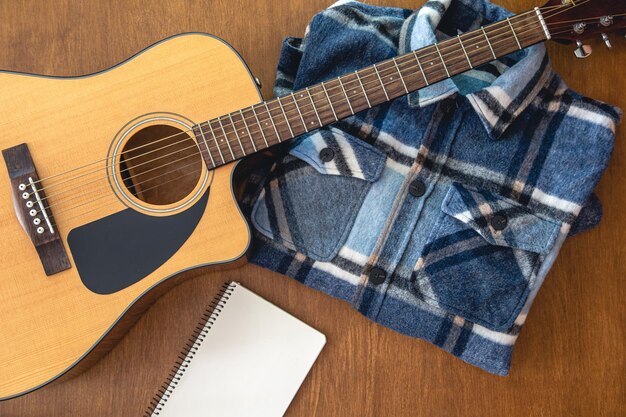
{"x":282,"y":125}
{"x":345,"y":94}
{"x":421,"y":69}
{"x":319,"y":106}
{"x":256,"y":117}
{"x":206,"y":144}
{"x":465,"y":52}
{"x":306,"y":114}
{"x":272,"y":120}
{"x":216,"y":143}
{"x":295,"y":102}
{"x":489,"y":43}
{"x":514,"y":34}
{"x":285,"y":116}
{"x":245,"y":123}
{"x":442,"y":60}
{"x":330,"y":103}
{"x":314,"y":108}
{"x":219,"y":120}
{"x":400,"y":74}
{"x":289,"y":116}
{"x":353,"y":92}
{"x":381,"y":82}
{"x":363,"y":88}
{"x":237,"y":135}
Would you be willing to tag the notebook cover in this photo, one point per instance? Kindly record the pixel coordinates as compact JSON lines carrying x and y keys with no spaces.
{"x":249,"y":358}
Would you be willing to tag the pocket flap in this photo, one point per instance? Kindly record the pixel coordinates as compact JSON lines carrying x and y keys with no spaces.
{"x":335,"y":152}
{"x":501,"y":221}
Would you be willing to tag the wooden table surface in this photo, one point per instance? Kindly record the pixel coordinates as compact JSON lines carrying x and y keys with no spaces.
{"x":570,"y":358}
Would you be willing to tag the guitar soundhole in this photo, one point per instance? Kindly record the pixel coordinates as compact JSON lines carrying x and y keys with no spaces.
{"x":160,"y":165}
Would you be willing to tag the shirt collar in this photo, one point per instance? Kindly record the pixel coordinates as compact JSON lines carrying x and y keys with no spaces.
{"x":498,"y":104}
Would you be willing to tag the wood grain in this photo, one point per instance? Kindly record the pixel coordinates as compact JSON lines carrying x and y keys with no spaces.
{"x":570,"y":357}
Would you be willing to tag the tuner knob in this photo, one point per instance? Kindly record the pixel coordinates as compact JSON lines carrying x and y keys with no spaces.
{"x":606,"y":21}
{"x":582,"y":51}
{"x":607,"y":41}
{"x":580,"y":27}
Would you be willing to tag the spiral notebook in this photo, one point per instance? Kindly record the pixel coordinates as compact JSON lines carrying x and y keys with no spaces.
{"x":247,"y":358}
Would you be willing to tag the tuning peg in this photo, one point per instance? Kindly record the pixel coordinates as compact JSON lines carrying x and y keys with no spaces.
{"x":582,"y":51}
{"x":607,"y":41}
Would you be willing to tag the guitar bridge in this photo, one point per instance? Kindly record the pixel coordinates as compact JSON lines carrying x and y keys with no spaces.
{"x":29,"y":202}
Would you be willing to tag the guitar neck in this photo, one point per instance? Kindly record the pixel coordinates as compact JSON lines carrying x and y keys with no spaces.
{"x":246,"y":131}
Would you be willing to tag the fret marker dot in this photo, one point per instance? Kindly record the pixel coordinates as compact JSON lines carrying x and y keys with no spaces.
{"x":391,"y":78}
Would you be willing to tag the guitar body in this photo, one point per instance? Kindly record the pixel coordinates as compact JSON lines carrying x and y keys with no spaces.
{"x":120,"y":253}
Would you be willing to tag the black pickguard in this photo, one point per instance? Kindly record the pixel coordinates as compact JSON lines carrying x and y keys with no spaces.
{"x":119,"y":250}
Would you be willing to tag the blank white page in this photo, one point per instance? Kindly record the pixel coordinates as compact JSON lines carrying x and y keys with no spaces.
{"x":252,"y":362}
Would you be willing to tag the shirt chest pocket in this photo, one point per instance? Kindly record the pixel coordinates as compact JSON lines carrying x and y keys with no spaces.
{"x":483,"y":256}
{"x":312,"y":197}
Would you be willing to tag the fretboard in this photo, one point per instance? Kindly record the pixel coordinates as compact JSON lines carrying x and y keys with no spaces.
{"x":246,"y":131}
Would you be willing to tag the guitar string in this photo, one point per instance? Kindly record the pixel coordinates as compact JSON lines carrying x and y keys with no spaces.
{"x":174,"y":161}
{"x":143,"y":173}
{"x":504,"y":27}
{"x":156,"y":186}
{"x":169,"y":154}
{"x":144,"y":181}
{"x":82,"y":213}
{"x":177,"y":160}
{"x":402,"y":66}
{"x":587,"y":19}
{"x":558,"y":12}
{"x":245,"y":119}
{"x":220,"y":137}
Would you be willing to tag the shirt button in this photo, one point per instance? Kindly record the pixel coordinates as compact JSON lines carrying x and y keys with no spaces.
{"x":377,"y":276}
{"x":327,"y":155}
{"x":499,"y":222}
{"x":417,"y":188}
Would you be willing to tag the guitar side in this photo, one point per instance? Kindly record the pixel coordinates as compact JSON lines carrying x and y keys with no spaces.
{"x":50,"y":324}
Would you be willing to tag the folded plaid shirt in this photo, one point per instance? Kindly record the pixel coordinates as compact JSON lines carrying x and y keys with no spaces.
{"x":438,"y":214}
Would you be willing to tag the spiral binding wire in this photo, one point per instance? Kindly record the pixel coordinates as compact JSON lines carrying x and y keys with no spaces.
{"x":200,"y":332}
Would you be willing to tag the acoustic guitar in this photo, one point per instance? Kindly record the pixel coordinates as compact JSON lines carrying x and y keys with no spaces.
{"x":115,"y":182}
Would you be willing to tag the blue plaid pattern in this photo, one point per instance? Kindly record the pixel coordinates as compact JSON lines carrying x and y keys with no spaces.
{"x":458,"y":196}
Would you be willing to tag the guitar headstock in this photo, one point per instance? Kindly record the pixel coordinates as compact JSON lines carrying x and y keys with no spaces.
{"x":577,"y":20}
